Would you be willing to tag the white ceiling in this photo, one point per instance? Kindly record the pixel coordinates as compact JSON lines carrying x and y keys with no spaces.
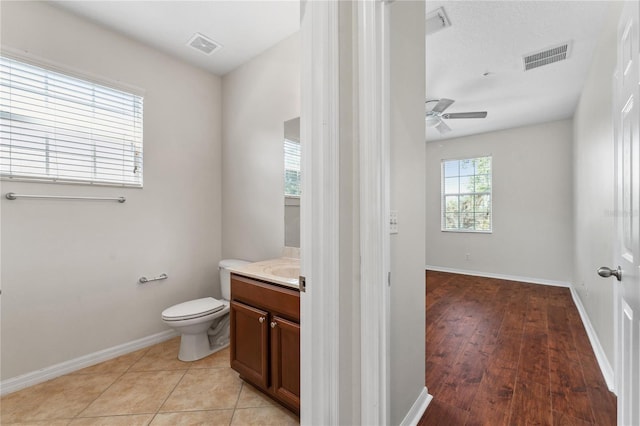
{"x":244,"y":28}
{"x":484,"y":36}
{"x":492,"y":36}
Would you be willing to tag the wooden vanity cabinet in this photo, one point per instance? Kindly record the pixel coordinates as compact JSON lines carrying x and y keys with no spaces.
{"x":248,"y":352}
{"x":285,"y":360}
{"x":265,"y":337}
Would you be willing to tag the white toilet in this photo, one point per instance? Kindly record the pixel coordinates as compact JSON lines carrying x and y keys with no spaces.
{"x":203,"y":323}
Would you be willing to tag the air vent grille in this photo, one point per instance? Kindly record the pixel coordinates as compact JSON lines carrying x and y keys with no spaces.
{"x":203,"y":44}
{"x":436,"y":20}
{"x":546,"y":57}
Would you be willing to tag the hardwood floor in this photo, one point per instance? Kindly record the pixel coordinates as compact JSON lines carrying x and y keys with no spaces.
{"x":508,"y":353}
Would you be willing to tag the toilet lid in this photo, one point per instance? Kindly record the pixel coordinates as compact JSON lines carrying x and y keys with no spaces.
{"x":192,"y":309}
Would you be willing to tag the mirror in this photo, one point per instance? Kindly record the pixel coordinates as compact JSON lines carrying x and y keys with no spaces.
{"x":292,"y":182}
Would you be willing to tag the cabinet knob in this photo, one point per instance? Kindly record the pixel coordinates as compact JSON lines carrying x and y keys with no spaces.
{"x":273,"y":324}
{"x":261,"y":319}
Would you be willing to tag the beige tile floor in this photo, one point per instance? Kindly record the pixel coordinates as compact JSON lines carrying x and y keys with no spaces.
{"x":147,"y":387}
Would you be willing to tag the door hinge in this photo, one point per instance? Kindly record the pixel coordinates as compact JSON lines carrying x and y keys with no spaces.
{"x":302,"y":283}
{"x":389,"y":278}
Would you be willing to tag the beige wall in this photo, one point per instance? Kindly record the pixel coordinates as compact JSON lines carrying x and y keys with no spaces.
{"x":532,"y":204}
{"x":70,"y":269}
{"x":407,"y":51}
{"x":257,"y":98}
{"x":594,"y":185}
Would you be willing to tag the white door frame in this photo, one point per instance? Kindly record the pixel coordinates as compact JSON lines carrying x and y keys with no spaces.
{"x":319,"y":214}
{"x":320,"y":210}
{"x":373,"y":114}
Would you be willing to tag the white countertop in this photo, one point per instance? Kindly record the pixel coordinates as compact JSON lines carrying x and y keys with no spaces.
{"x":283,"y":270}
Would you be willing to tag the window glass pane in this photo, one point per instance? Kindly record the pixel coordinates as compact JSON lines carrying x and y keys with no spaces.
{"x":292,"y":168}
{"x":482,"y":183}
{"x":482,"y":165}
{"x":450,"y":168}
{"x":483,"y":221}
{"x":291,"y":183}
{"x":466,"y":167}
{"x":451,"y":221}
{"x":451,"y":185}
{"x":466,"y":203}
{"x":451,"y":203}
{"x":482,"y":203}
{"x":466,"y":184}
{"x":466,"y":194}
{"x":467,"y":221}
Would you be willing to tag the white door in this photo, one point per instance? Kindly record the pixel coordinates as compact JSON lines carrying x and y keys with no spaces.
{"x":627,"y":197}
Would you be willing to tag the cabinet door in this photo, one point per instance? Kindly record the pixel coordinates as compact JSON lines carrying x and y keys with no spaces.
{"x":249,"y":343}
{"x":285,"y":360}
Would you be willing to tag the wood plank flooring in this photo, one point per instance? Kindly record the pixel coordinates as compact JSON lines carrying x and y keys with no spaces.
{"x":508,"y":353}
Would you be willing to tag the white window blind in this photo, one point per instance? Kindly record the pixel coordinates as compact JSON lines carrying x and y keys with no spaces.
{"x":55,"y":127}
{"x":291,"y":168}
{"x":466,"y":195}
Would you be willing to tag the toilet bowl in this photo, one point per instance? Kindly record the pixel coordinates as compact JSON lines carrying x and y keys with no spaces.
{"x":203,"y":323}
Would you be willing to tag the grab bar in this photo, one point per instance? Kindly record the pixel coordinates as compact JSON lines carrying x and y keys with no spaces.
{"x":14,"y":196}
{"x":144,"y":280}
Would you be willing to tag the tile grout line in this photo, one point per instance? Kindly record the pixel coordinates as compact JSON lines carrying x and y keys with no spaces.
{"x":184,"y":373}
{"x":235,"y":407}
{"x":115,"y":373}
{"x":77,"y":415}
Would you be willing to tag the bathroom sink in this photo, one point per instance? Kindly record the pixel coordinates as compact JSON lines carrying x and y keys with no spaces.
{"x":285,"y":271}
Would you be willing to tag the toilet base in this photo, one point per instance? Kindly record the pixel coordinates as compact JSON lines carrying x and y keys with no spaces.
{"x":202,"y":342}
{"x":196,"y":346}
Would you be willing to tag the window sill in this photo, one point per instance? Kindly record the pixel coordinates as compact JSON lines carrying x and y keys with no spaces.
{"x":466,"y":231}
{"x":70,"y":182}
{"x":291,"y":200}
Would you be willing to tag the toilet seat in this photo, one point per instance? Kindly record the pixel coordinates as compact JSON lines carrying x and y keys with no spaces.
{"x":192,"y":309}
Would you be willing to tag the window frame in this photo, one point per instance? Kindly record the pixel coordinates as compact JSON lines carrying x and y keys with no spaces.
{"x":443,"y":195}
{"x":91,"y":79}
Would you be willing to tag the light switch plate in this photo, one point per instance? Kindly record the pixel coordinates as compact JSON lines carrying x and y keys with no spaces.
{"x":393,"y":222}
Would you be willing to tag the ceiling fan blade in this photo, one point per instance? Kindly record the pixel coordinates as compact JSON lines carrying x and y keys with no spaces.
{"x":442,"y":127}
{"x":442,"y":105}
{"x":482,"y":114}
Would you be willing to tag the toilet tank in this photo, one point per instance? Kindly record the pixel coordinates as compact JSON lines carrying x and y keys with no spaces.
{"x":225,"y":275}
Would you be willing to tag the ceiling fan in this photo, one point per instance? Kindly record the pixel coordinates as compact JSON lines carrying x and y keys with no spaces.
{"x":435,"y":115}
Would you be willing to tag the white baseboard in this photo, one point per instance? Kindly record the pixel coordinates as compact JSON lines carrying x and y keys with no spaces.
{"x":417,"y":409}
{"x":601,"y":357}
{"x":500,"y":276}
{"x":57,"y":370}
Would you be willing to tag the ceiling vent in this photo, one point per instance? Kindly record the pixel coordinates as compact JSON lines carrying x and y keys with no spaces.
{"x":436,"y":20}
{"x":546,"y":56}
{"x":204,"y":44}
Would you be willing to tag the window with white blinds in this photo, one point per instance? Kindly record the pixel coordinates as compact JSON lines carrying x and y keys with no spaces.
{"x":291,"y":168}
{"x":54,"y":127}
{"x":466,"y":195}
